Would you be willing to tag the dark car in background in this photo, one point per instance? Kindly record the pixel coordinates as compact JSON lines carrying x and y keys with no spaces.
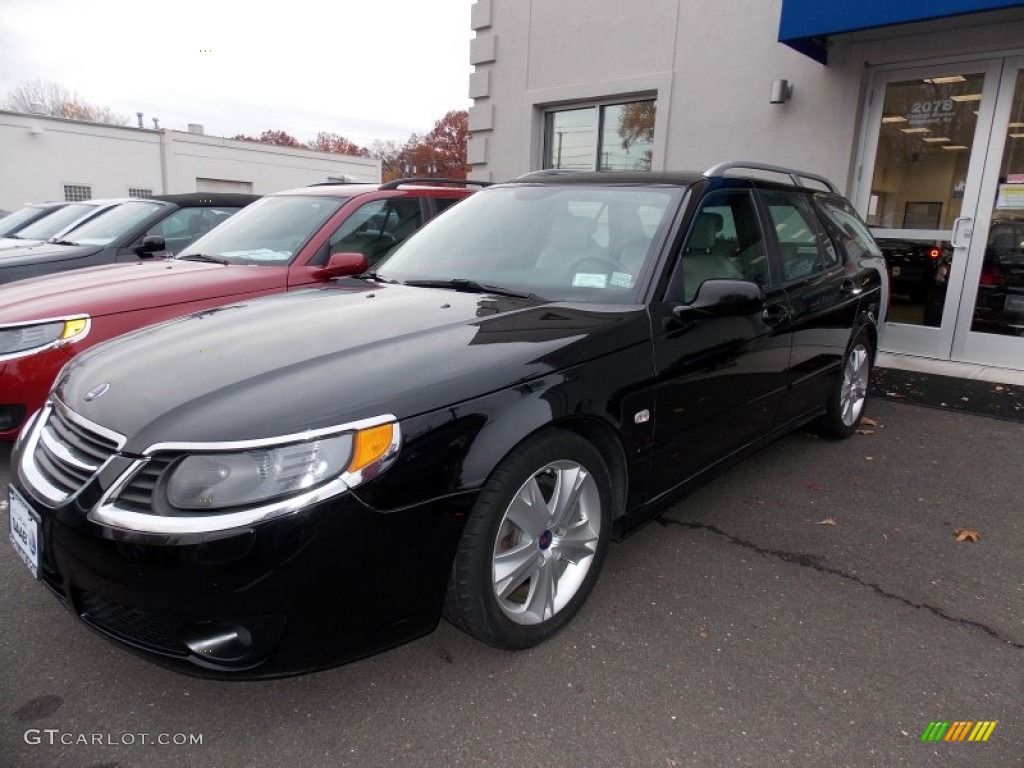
{"x":133,"y":230}
{"x":462,"y":431}
{"x":285,"y":241}
{"x":999,"y":303}
{"x":912,"y":266}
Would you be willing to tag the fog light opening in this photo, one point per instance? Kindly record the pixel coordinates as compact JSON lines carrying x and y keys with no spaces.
{"x":218,"y":640}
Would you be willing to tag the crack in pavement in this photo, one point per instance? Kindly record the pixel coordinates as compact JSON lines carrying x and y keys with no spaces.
{"x":810,"y":561}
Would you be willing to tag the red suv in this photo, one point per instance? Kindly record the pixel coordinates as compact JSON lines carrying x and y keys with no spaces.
{"x":284,"y":241}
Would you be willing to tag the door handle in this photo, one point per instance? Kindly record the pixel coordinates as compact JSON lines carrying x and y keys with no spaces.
{"x":962,"y":226}
{"x":850,"y":288}
{"x":775,"y":314}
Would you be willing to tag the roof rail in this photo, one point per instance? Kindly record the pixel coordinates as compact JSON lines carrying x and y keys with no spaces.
{"x":432,"y":180}
{"x":335,"y":183}
{"x":718,"y":171}
{"x":547,"y":172}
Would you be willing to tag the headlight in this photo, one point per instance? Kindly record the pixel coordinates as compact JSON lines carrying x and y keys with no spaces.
{"x":220,"y":480}
{"x":17,"y":340}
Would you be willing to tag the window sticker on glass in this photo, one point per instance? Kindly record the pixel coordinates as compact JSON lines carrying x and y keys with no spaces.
{"x":589,"y":280}
{"x":622,"y":280}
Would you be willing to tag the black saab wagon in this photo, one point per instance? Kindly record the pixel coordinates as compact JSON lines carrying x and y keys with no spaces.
{"x":289,"y":483}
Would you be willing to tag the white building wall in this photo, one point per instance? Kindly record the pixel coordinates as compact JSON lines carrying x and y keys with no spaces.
{"x":39,"y":155}
{"x":711,"y":67}
{"x":267,"y":168}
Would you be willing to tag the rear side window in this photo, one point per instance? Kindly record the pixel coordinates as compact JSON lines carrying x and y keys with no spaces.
{"x":853,"y":233}
{"x":805,"y":249}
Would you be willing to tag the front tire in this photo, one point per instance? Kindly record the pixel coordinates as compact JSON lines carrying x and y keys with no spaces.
{"x":534,"y":543}
{"x":846,"y":403}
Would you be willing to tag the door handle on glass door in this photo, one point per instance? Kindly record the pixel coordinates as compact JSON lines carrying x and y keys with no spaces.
{"x":962,"y":226}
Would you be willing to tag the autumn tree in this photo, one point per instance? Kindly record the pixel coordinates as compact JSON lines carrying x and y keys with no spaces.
{"x":442,"y":151}
{"x":389,"y":153}
{"x":275,"y":138}
{"x":332,"y":142}
{"x":636,"y":127}
{"x":45,"y":97}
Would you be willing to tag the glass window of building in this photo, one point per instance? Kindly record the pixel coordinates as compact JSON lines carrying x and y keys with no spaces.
{"x":606,"y":137}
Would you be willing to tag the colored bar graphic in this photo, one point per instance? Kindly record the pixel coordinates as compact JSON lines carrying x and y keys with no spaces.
{"x":959,"y":730}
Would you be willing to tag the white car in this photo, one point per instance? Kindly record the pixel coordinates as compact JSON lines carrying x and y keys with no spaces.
{"x":59,"y":221}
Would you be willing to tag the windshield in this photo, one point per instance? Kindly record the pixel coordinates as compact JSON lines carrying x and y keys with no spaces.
{"x":12,"y":222}
{"x":112,"y":224}
{"x":52,"y":223}
{"x":571,"y":242}
{"x":270,"y":231}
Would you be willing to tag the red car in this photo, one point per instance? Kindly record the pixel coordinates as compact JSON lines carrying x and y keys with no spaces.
{"x":284,"y":241}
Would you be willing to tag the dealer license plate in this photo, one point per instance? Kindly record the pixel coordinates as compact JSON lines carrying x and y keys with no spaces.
{"x":24,"y":531}
{"x":1014,"y":303}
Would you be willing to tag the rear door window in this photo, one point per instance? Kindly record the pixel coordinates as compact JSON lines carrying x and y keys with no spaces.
{"x":805,"y":249}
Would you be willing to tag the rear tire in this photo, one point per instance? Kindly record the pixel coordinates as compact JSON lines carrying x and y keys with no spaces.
{"x":848,"y":398}
{"x":534,"y":543}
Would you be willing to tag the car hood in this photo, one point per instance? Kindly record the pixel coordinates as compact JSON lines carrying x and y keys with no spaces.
{"x":115,"y":288}
{"x":43,"y":252}
{"x":322,"y":357}
{"x":6,"y":243}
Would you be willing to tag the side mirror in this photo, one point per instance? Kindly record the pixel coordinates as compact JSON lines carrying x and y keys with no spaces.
{"x":341,"y":264}
{"x":151,"y":244}
{"x":725,"y":298}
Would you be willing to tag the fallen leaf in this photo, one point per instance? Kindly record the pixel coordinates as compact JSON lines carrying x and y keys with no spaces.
{"x":705,"y":633}
{"x":867,"y":421}
{"x":811,"y":435}
{"x":864,"y":431}
{"x":813,"y":487}
{"x":1000,"y":389}
{"x":967,"y":534}
{"x":826,"y":521}
{"x":870,"y":458}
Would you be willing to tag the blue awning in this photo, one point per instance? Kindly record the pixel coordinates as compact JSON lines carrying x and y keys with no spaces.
{"x":806,"y":24}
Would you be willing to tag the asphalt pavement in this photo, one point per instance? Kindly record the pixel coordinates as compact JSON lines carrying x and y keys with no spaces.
{"x":811,"y":607}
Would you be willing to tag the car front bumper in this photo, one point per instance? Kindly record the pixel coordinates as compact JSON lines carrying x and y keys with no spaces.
{"x":329,"y":584}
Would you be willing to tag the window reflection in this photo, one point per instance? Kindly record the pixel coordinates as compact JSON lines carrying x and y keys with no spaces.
{"x":611,"y":137}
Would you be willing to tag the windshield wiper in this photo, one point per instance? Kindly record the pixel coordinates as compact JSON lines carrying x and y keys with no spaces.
{"x":203,"y":257}
{"x":55,"y":241}
{"x":469,"y":286}
{"x":372,"y":276}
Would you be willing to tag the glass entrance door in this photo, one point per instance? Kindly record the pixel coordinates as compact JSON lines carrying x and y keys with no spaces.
{"x":920,"y":176}
{"x":990,"y":323}
{"x":941,"y":182}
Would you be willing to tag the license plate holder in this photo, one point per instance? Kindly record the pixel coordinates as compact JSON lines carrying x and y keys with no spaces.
{"x":24,"y":525}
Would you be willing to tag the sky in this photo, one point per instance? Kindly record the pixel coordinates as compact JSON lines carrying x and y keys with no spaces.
{"x":369,"y":69}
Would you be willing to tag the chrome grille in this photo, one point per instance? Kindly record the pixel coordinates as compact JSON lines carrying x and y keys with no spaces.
{"x":137,"y":495}
{"x":66,"y":451}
